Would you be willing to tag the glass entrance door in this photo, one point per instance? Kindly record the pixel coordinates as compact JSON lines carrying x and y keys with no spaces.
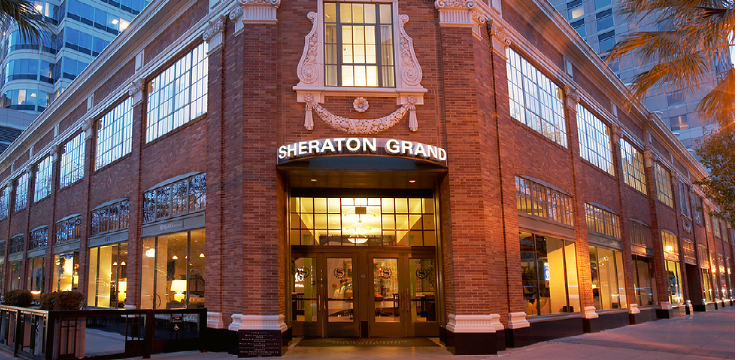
{"x":354,"y":293}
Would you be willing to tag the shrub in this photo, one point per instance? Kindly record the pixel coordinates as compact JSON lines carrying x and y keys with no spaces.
{"x":21,"y":298}
{"x":65,"y":300}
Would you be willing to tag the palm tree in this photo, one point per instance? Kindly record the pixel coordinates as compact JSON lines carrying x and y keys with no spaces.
{"x":30,"y":22}
{"x":693,"y":35}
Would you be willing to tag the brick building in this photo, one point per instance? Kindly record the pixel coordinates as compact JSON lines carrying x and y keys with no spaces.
{"x":457,"y":169}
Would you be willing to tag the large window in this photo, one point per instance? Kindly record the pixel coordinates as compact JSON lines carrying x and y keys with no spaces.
{"x":697,"y":206}
{"x":549,"y":275}
{"x":715,"y":227}
{"x":604,"y":222}
{"x":42,"y":186}
{"x":114,"y":134}
{"x":593,"y":137}
{"x":640,"y":234}
{"x":575,"y":9}
{"x":539,"y":200}
{"x":68,"y":230}
{"x":65,"y":274}
{"x":604,"y":20}
{"x":16,"y":244}
{"x":39,"y":239}
{"x":689,"y":251}
{"x":534,"y":99}
{"x":670,"y":244}
{"x":358,"y":41}
{"x":607,"y":278}
{"x":643,"y":280}
{"x":179,"y":94}
{"x":36,"y":275}
{"x":675,"y":289}
{"x":181,"y":197}
{"x":633,"y":167}
{"x":107,"y":280}
{"x":663,"y":184}
{"x":110,"y":218}
{"x":73,"y":161}
{"x":362,"y":221}
{"x":173,"y":271}
{"x":4,"y":202}
{"x":15,"y":274}
{"x":683,"y":199}
{"x":21,"y":192}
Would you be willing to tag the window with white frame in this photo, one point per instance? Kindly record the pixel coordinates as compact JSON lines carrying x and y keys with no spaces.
{"x":593,"y":138}
{"x":633,"y":167}
{"x":358,"y":44}
{"x":663,"y":184}
{"x":72,"y":167}
{"x":4,"y":202}
{"x":602,"y":221}
{"x":42,"y":185}
{"x":534,"y":99}
{"x":697,"y":208}
{"x":21,"y":192}
{"x":683,"y":199}
{"x":179,"y":94}
{"x":114,"y":134}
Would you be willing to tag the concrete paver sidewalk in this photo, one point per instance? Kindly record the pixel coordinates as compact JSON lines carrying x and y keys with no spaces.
{"x":709,"y":335}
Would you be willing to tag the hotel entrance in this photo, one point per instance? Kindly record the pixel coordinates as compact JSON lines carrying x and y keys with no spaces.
{"x":363,"y":266}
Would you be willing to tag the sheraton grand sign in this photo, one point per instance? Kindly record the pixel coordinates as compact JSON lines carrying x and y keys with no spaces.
{"x":360,"y":145}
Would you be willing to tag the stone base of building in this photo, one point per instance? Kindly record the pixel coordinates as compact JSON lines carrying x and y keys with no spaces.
{"x":472,"y":343}
{"x":676,"y":311}
{"x":606,"y":321}
{"x":544,"y":330}
{"x":645,"y":315}
{"x":703,"y":307}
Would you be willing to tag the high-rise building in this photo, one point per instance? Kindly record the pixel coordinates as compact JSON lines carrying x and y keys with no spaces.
{"x":602,"y":26}
{"x":35,"y":72}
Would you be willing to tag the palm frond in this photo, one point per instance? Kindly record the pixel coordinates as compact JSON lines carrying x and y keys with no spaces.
{"x":719,"y":104}
{"x":22,"y":12}
{"x":685,"y":72}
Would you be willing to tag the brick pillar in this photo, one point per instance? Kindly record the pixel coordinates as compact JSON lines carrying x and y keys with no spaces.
{"x":658,"y":260}
{"x":216,"y":137}
{"x":136,"y":202}
{"x":263,"y":264}
{"x":472,"y":239}
{"x":579,"y":213}
{"x":55,"y":154}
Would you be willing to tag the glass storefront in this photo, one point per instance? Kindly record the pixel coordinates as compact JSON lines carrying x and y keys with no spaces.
{"x":362,"y":221}
{"x":36,"y":275}
{"x":643,"y":280}
{"x":675,"y":290}
{"x":549,"y":275}
{"x":15,"y":274}
{"x":107,"y":278}
{"x":607,"y":278}
{"x":173,"y":271}
{"x":65,"y":273}
{"x":706,"y":282}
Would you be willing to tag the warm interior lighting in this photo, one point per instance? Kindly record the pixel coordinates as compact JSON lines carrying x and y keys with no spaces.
{"x":124,"y":25}
{"x":669,"y":248}
{"x":314,"y":180}
{"x":202,"y":255}
{"x":150,"y":253}
{"x":412,"y":181}
{"x":174,"y":257}
{"x":357,"y":239}
{"x":123,"y":263}
{"x":115,"y":263}
{"x":179,"y":287}
{"x":114,"y":21}
{"x":36,"y":292}
{"x":121,"y":291}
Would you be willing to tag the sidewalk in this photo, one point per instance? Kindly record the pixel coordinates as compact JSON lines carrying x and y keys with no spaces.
{"x":707,"y":335}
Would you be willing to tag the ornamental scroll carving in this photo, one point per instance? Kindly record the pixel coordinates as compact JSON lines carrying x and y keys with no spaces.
{"x":275,"y":3}
{"x":308,"y":67}
{"x":364,"y":126}
{"x":454,"y":4}
{"x":410,"y":68}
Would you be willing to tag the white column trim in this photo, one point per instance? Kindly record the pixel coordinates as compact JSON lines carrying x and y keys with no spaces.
{"x":215,"y":320}
{"x":634,"y":309}
{"x":589,"y":312}
{"x":666,"y":306}
{"x":474,"y":323}
{"x":517,"y":320}
{"x":258,"y":322}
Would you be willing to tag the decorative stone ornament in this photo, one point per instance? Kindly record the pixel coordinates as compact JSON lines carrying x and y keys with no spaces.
{"x":136,"y":91}
{"x":308,"y":66}
{"x":573,"y":97}
{"x":214,"y":33}
{"x":260,"y":11}
{"x":410,"y":68}
{"x":456,"y":13}
{"x":360,"y":104}
{"x":360,"y":126}
{"x":500,"y":40}
{"x":235,"y":15}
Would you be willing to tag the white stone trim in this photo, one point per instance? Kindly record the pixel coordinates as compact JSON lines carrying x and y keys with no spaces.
{"x":258,"y":322}
{"x":634,"y":309}
{"x":215,"y":320}
{"x":666,"y":306}
{"x":235,"y":15}
{"x":259,"y":11}
{"x":214,"y":33}
{"x":589,"y":312}
{"x":517,"y":320}
{"x":473,"y":323}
